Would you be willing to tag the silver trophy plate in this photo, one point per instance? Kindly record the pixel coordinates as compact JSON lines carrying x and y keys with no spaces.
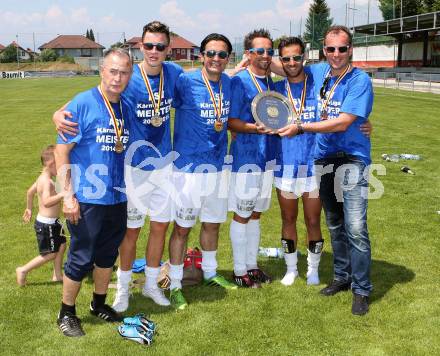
{"x":272,"y":110}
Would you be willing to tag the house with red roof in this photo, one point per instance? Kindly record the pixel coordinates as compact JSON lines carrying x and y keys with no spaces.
{"x":23,"y":54}
{"x":74,"y":46}
{"x":181,"y":48}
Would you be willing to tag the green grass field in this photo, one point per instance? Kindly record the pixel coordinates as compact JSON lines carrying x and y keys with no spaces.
{"x":404,"y":315}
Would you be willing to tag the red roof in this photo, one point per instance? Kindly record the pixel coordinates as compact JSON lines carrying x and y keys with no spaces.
{"x":2,"y":47}
{"x":71,"y":41}
{"x":176,"y":42}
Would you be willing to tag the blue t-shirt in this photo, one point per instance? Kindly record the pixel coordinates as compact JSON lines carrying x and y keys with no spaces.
{"x":354,"y":95}
{"x":248,"y":149}
{"x":196,"y":141}
{"x":295,"y":154}
{"x":98,"y":171}
{"x":159,"y":138}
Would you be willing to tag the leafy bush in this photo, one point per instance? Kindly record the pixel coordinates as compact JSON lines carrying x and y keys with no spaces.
{"x":48,"y":55}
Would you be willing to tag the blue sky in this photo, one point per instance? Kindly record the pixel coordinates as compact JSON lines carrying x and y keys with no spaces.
{"x":110,"y":19}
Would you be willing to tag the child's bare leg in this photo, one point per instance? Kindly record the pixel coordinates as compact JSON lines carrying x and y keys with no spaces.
{"x":57,"y":264}
{"x":32,"y":264}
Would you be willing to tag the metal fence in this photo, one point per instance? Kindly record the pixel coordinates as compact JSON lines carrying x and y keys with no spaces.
{"x":413,"y":81}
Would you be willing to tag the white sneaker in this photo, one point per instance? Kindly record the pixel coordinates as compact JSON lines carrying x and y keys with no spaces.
{"x":157,"y":295}
{"x":312,"y":277}
{"x":121,"y":300}
{"x":289,"y":278}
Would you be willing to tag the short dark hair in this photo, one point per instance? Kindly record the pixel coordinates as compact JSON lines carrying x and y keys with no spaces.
{"x":156,"y":27}
{"x":215,"y":37}
{"x":119,"y":52}
{"x":337,"y":29}
{"x":47,"y":154}
{"x":256,"y":34}
{"x":289,"y":41}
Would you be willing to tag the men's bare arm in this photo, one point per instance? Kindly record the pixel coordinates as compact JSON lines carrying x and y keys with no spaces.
{"x":339,"y":124}
{"x":237,"y":125}
{"x":70,"y":203}
{"x":62,"y":125}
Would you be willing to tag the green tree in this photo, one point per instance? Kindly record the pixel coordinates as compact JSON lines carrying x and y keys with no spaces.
{"x":48,"y":55}
{"x":88,"y":34}
{"x":391,"y":8}
{"x":117,"y":45}
{"x":431,"y":5}
{"x":317,"y":23}
{"x":91,"y":35}
{"x":9,"y":54}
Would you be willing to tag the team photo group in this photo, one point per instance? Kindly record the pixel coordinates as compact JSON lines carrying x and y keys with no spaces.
{"x":119,"y":160}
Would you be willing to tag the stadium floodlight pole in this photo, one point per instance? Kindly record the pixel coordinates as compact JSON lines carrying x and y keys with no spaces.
{"x":401,"y":8}
{"x":394,"y":10}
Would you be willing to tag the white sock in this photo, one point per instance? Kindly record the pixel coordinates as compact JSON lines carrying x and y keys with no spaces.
{"x":151,"y":274}
{"x":237,"y":233}
{"x":253,"y":242}
{"x":313,"y":260}
{"x":124,"y":278}
{"x":176,"y":275}
{"x":292,"y":271}
{"x":209,"y":264}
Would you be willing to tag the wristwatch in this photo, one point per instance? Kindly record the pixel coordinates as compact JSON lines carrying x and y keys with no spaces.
{"x":300,"y":128}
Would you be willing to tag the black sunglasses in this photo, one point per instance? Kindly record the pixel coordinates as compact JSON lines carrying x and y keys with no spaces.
{"x":342,"y":49}
{"x":260,"y":51}
{"x":297,"y":59}
{"x":323,"y":90}
{"x":211,"y":54}
{"x":159,"y":46}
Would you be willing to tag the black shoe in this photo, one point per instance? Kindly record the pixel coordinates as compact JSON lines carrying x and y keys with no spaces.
{"x":257,"y":275}
{"x":360,"y":304}
{"x":335,"y":287}
{"x":106,"y":312}
{"x":245,"y":281}
{"x":70,"y":325}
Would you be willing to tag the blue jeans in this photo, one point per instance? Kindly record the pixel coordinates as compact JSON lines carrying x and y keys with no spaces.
{"x":344,"y":195}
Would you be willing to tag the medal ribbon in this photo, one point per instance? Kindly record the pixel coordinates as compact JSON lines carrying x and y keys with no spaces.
{"x":156,"y":105}
{"x":217,"y":108}
{"x":254,"y":79}
{"x":303,"y":98}
{"x":118,"y":129}
{"x":333,"y":88}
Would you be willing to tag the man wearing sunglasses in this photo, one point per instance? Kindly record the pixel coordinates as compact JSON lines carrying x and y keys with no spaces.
{"x":345,"y":97}
{"x":202,"y":103}
{"x":150,"y":92}
{"x":296,"y":176}
{"x":251,"y":182}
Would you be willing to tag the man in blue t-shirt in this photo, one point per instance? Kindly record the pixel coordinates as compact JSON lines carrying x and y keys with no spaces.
{"x":149,"y":169}
{"x":251,"y":180}
{"x":202,"y":104}
{"x":342,"y":156}
{"x":295,"y":177}
{"x":90,"y":168}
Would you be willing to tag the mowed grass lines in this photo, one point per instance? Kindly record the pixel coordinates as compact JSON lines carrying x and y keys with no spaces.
{"x":403,"y":224}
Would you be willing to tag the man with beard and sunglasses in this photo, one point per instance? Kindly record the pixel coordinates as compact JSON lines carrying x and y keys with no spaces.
{"x":148,"y":175}
{"x":345,"y":100}
{"x":202,"y":103}
{"x":251,"y":180}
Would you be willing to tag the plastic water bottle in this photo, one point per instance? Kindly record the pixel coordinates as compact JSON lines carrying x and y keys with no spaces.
{"x":406,"y":169}
{"x":411,"y":157}
{"x":271,"y":252}
{"x":391,"y":158}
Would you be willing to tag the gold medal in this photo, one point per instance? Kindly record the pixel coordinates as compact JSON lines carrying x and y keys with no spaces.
{"x":218,"y":126}
{"x":156,"y":121}
{"x":324,"y":115}
{"x":119,"y":146}
{"x":303,"y":99}
{"x":119,"y":127}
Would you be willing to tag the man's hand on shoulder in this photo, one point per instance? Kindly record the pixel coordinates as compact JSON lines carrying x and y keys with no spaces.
{"x":62,"y":125}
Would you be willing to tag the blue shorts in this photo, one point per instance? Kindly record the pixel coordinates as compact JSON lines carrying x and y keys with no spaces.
{"x":95,"y":239}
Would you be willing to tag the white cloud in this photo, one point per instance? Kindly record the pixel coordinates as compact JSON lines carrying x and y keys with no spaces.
{"x":176,"y":17}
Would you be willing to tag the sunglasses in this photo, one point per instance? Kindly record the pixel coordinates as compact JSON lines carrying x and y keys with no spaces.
{"x":323,"y":90}
{"x":261,"y":51}
{"x":342,"y":49}
{"x":211,"y":54}
{"x":159,"y":46}
{"x":297,"y":59}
